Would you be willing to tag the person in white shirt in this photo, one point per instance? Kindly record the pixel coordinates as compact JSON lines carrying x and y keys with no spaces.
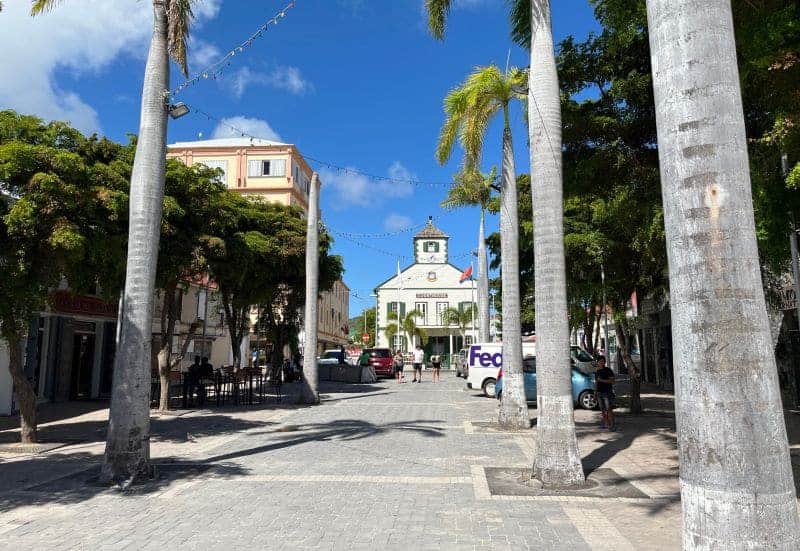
{"x":419,"y":357}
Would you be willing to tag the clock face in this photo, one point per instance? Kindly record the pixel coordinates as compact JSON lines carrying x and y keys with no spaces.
{"x":430,"y":257}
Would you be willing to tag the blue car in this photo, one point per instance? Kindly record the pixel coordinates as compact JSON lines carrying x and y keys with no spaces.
{"x":582,"y":385}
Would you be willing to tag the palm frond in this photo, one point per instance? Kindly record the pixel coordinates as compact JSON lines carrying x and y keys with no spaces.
{"x":41,"y":6}
{"x":519,"y":17}
{"x":456,"y":104}
{"x":179,"y":18}
{"x":471,"y":188}
{"x":473,"y":133}
{"x":438,"y":10}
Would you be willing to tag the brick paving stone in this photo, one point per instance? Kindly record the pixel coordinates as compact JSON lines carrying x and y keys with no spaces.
{"x":379,"y":466}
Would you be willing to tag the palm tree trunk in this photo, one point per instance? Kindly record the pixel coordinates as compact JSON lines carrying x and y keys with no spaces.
{"x":483,"y":281}
{"x":513,"y":405}
{"x":737,"y":490}
{"x":557,"y":461}
{"x":310,"y":384}
{"x":127,"y":452}
{"x":22,"y":386}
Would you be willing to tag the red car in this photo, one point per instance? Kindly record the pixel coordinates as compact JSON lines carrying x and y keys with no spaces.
{"x":380,"y":359}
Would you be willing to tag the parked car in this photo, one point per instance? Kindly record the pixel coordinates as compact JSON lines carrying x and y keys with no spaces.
{"x":482,"y":362}
{"x":582,"y":360}
{"x":460,"y":363}
{"x":582,"y":384}
{"x":380,"y":359}
{"x":334,"y":356}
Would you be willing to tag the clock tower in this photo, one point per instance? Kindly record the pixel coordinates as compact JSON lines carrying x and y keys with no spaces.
{"x":430,"y":245}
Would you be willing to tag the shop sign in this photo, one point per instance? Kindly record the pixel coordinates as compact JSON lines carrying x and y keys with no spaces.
{"x":431,"y":295}
{"x":65,"y":302}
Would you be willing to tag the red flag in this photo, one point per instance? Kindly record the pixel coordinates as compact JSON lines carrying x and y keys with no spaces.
{"x":467,"y":274}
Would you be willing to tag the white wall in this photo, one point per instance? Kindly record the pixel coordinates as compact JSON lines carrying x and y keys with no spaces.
{"x":6,"y":387}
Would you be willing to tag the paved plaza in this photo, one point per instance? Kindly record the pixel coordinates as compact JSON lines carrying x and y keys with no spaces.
{"x":378,"y":466}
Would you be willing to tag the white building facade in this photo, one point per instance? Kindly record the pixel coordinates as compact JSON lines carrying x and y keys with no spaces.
{"x":430,"y":285}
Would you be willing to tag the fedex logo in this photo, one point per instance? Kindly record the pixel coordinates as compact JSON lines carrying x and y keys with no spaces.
{"x":484,"y":359}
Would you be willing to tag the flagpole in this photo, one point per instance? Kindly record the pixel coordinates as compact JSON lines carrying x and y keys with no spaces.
{"x":399,"y":286}
{"x":472,"y":304}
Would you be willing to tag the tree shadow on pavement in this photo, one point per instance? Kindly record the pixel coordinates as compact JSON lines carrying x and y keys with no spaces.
{"x":164,"y":428}
{"x":342,"y":430}
{"x":79,"y":480}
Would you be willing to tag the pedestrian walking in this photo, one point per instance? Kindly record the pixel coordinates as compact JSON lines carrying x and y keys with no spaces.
{"x":604,"y":382}
{"x":419,"y":358}
{"x":397,"y":363}
{"x":436,"y":364}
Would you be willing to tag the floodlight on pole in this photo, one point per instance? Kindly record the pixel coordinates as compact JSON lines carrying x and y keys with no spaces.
{"x":177,"y":110}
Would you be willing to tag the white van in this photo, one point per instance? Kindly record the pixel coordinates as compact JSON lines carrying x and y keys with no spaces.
{"x":484,"y":359}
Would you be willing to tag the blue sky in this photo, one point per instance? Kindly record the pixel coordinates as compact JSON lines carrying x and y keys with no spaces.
{"x":356,"y":83}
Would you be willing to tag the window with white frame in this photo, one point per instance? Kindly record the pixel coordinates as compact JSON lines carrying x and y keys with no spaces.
{"x":422,"y":308}
{"x":399,"y":343}
{"x":222,"y":165}
{"x":440,"y":308}
{"x":266,"y":167}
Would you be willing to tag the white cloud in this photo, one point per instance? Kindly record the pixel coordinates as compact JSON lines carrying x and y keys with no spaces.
{"x":289,"y":78}
{"x":350,"y":188}
{"x":202,"y":54}
{"x":282,"y":78}
{"x":403,"y":186}
{"x":397,"y":222}
{"x":250,"y":126}
{"x":80,"y":36}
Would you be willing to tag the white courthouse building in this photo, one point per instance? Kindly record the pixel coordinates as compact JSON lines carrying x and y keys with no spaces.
{"x":429,"y":285}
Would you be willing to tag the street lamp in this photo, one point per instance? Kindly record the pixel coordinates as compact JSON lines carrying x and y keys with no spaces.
{"x":607,"y":347}
{"x":376,"y":319}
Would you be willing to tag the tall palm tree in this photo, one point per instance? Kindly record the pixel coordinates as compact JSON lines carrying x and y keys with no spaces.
{"x":406,"y":326}
{"x":469,"y":109}
{"x":462,"y":318}
{"x":472,"y":188}
{"x":127,"y":452}
{"x":309,"y":392}
{"x":735,"y":471}
{"x":557,"y":461}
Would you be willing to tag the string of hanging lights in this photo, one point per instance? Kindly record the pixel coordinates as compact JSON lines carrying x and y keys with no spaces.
{"x":215,"y":70}
{"x":319,"y":162}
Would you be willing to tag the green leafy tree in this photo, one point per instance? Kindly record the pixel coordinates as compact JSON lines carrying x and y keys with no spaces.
{"x":128,"y":440}
{"x":192,"y":199}
{"x":464,"y":318}
{"x":364,"y":323}
{"x":61,"y":197}
{"x":406,"y":326}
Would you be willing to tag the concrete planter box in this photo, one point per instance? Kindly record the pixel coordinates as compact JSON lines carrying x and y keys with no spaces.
{"x":346,"y":373}
{"x":324,"y":371}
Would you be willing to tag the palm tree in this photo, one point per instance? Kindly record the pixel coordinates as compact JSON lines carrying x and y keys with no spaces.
{"x":463,"y":318}
{"x":406,"y":326}
{"x":737,"y":490}
{"x":309,"y":392}
{"x":469,"y":109}
{"x":127,"y":454}
{"x":473,"y":188}
{"x":557,"y":461}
